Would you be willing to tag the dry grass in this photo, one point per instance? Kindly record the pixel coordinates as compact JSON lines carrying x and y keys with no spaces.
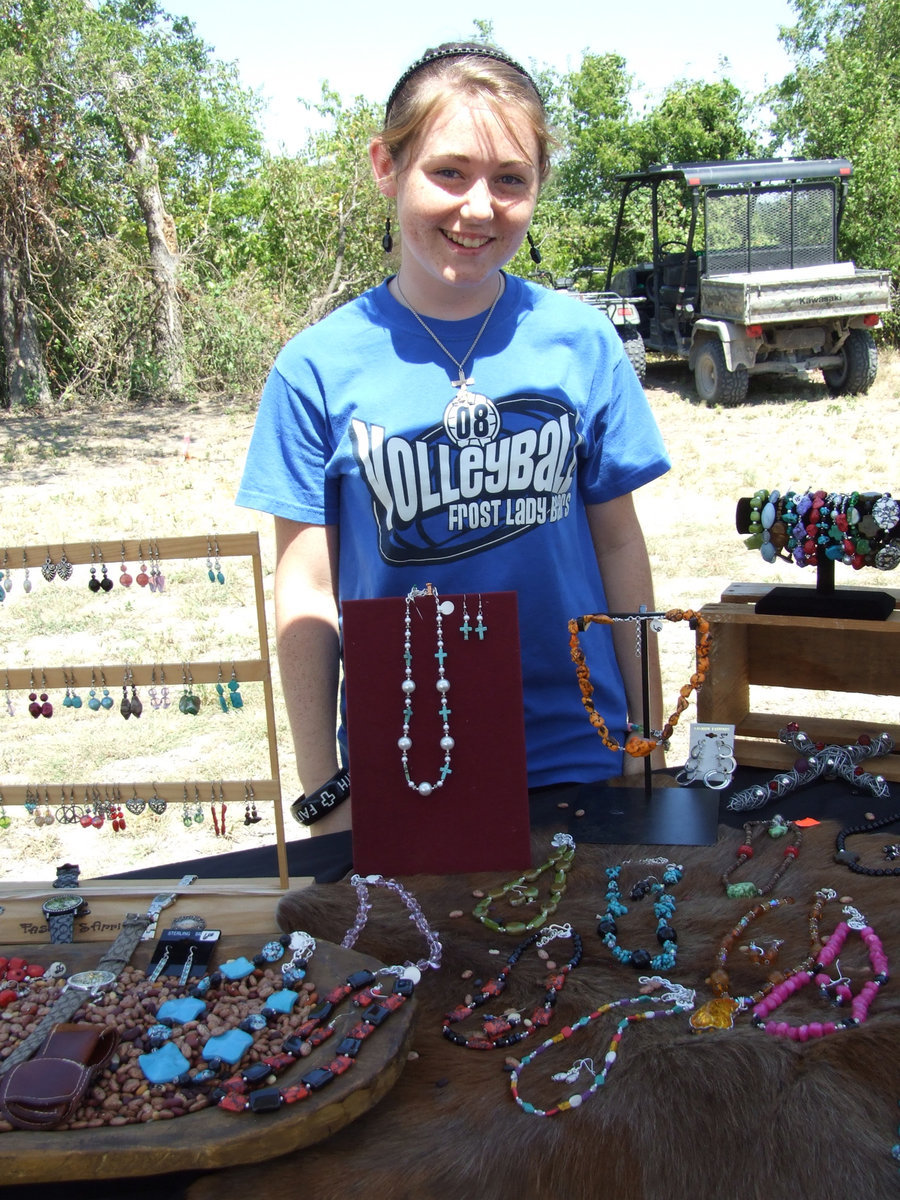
{"x":134,"y":475}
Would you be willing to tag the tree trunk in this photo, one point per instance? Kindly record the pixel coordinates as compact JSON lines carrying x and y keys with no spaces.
{"x":167,"y":333}
{"x":25,"y":381}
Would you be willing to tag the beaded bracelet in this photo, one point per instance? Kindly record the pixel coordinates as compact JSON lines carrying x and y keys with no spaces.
{"x":500,"y":1032}
{"x":526,"y":893}
{"x":849,"y":859}
{"x":778,"y":827}
{"x":859,"y":529}
{"x":719,"y":1013}
{"x":663,"y":910}
{"x":362,"y":883}
{"x":638,"y":747}
{"x":681,"y":999}
{"x":818,"y":759}
{"x":859,"y":1004}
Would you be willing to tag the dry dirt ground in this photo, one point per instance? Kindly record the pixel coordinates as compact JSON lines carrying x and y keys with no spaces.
{"x":172,"y":471}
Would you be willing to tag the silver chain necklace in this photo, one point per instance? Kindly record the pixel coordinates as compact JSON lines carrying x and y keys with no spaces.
{"x":461,"y":383}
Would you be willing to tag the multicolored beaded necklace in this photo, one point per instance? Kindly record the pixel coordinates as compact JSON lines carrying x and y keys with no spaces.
{"x":502,"y":1031}
{"x":719,"y":1013}
{"x":777,"y":827}
{"x":859,"y":1004}
{"x":521,"y":890}
{"x":636,"y":746}
{"x":663,"y":910}
{"x":681,"y":1000}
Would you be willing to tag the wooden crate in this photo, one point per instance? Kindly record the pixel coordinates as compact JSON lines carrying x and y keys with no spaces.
{"x":801,"y":653}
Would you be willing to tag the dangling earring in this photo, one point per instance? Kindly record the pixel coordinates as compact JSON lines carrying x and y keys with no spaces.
{"x":387,"y":242}
{"x":532,"y":249}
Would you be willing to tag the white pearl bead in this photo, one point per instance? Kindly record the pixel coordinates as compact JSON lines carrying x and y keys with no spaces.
{"x":443,"y":685}
{"x":404,"y":743}
{"x":424,"y":789}
{"x":447,"y":743}
{"x":408,"y":686}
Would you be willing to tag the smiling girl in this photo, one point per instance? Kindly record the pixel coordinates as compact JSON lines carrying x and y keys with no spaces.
{"x":462,"y":425}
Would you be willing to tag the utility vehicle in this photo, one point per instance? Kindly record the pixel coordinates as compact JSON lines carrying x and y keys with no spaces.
{"x":755,"y":285}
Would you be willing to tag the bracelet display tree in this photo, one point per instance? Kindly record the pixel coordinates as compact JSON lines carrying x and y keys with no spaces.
{"x":248,"y":670}
{"x":821,"y":639}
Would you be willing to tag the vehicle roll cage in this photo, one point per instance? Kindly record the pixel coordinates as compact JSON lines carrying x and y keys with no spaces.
{"x":751,"y":172}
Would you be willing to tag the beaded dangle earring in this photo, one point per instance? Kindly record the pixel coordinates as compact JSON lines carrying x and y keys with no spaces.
{"x":142,"y":578}
{"x":106,"y":584}
{"x":214,"y":570}
{"x":10,"y":708}
{"x":465,"y":629}
{"x":125,"y":578}
{"x":189,"y":703}
{"x":234,"y":687}
{"x":387,"y":242}
{"x":26,"y":583}
{"x":163,"y":689}
{"x":533,"y":252}
{"x":94,"y":582}
{"x":220,"y":690}
{"x":157,"y":579}
{"x":107,"y":701}
{"x":48,"y":570}
{"x":5,"y":822}
{"x":7,"y":575}
{"x":480,"y":627}
{"x":93,"y":702}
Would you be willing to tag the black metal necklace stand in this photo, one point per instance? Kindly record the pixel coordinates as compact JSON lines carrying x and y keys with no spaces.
{"x":646,"y":816}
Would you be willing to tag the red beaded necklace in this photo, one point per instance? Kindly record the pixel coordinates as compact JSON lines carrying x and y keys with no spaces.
{"x":500,"y":1032}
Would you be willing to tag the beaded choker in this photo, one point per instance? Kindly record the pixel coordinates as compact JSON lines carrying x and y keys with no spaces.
{"x":859,"y":1004}
{"x":778,"y":827}
{"x":663,"y":910}
{"x":521,"y":890}
{"x":681,"y":1000}
{"x":500,"y":1032}
{"x":719,"y":1013}
{"x":638,"y":747}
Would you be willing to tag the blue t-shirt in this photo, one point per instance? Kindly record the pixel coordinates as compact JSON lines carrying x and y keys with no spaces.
{"x":360,"y":426}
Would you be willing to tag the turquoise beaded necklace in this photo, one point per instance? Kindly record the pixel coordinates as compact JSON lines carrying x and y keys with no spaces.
{"x":663,"y":910}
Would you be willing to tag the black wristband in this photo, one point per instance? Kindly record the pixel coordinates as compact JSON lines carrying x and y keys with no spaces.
{"x":309,"y":809}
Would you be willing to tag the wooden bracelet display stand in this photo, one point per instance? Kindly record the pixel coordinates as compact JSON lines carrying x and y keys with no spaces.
{"x":21,"y":903}
{"x":798,"y":652}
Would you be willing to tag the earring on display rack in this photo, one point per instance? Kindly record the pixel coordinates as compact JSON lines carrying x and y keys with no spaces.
{"x":189,"y":703}
{"x":94,"y":582}
{"x":213,"y":570}
{"x":26,"y":583}
{"x":107,"y":701}
{"x":64,"y":568}
{"x":48,"y":570}
{"x":157,"y":804}
{"x":534,"y":253}
{"x":251,"y":816}
{"x":198,"y":807}
{"x":163,"y":689}
{"x":142,"y":578}
{"x":387,"y":242}
{"x":106,"y":584}
{"x":125,"y":578}
{"x":6,"y":579}
{"x":10,"y":708}
{"x":237,"y":700}
{"x":135,"y":805}
{"x":220,"y":690}
{"x":5,"y":822}
{"x":157,"y":579}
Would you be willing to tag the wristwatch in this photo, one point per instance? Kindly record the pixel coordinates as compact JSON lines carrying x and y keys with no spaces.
{"x":93,"y":982}
{"x":61,"y":912}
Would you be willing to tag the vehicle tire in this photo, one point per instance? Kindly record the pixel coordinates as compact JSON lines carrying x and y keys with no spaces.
{"x":860,"y":366}
{"x":635,"y":351}
{"x":715,"y":383}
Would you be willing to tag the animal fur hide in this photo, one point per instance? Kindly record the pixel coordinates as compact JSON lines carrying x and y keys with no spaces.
{"x":722,"y":1115}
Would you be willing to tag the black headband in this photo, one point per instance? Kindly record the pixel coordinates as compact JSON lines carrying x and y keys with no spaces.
{"x":457,"y":50}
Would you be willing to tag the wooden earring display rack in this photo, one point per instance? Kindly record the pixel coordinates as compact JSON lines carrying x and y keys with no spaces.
{"x":110,"y":899}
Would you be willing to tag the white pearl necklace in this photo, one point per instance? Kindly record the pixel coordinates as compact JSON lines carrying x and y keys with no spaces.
{"x":408,"y":687}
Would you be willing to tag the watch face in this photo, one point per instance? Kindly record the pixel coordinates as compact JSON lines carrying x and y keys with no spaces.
{"x":60,"y":905}
{"x":92,"y":981}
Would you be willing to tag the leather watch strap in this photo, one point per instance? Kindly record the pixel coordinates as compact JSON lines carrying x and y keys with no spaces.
{"x":69,"y":1001}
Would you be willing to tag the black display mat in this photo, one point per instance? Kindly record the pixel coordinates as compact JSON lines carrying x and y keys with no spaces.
{"x":624,"y":816}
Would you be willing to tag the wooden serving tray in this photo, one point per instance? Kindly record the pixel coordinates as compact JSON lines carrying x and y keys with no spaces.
{"x":212,"y":1138}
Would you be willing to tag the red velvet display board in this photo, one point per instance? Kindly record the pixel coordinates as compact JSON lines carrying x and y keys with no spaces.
{"x":478,"y":820}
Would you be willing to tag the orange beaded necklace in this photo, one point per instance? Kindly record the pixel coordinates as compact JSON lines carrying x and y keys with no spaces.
{"x":638,"y":747}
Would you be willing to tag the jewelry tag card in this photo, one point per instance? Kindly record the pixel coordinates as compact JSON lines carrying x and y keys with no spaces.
{"x":445,"y":809}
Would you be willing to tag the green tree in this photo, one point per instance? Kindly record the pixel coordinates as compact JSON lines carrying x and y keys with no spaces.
{"x":843,"y":98}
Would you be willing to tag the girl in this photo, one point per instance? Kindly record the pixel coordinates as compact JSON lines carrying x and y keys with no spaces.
{"x":462,"y":425}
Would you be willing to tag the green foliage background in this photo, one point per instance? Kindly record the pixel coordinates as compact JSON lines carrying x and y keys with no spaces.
{"x":269,"y":243}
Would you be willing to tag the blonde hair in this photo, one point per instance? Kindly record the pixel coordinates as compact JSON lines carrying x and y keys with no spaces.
{"x":474,"y":70}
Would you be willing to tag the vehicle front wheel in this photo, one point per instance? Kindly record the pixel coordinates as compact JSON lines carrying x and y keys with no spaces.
{"x":715,"y":383}
{"x":857,"y":372}
{"x":634,"y":348}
